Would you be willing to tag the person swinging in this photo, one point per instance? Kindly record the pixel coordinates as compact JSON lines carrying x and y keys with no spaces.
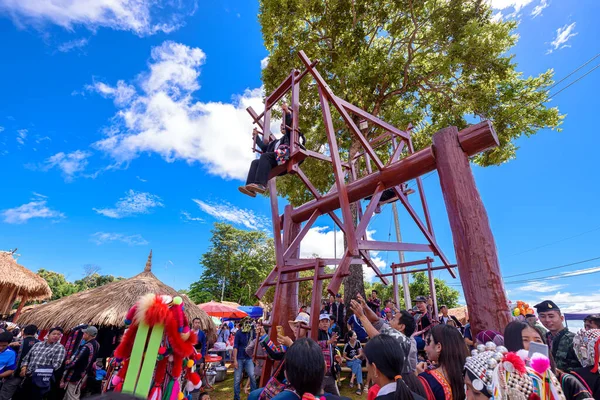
{"x":274,"y":153}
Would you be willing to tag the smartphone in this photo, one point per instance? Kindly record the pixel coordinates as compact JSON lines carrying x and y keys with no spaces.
{"x":280,"y":331}
{"x":538,"y":348}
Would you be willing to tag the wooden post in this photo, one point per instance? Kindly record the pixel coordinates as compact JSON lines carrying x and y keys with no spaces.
{"x":285,"y":302}
{"x":19,"y":309}
{"x":432,"y":290}
{"x":474,"y":244}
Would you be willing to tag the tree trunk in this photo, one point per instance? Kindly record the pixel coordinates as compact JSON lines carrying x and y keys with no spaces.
{"x":353,"y":283}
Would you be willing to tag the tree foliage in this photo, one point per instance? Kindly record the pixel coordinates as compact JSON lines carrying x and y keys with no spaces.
{"x":432,"y":63}
{"x":419,"y":286}
{"x":61,"y":287}
{"x":235,"y":264}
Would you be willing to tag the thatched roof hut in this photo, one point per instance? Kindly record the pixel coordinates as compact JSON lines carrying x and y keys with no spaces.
{"x":106,"y":306}
{"x":19,"y":283}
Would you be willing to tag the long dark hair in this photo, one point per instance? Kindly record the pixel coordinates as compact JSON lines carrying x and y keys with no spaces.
{"x":513,"y":335}
{"x":384,"y":351}
{"x":452,"y":357}
{"x":513,"y":338}
{"x":305,"y":366}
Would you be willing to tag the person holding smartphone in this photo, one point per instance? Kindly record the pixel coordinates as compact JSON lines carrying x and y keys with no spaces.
{"x":521,"y":335}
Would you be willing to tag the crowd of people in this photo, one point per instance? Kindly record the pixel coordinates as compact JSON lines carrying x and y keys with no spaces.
{"x":414,"y":354}
{"x":384,"y":353}
{"x":36,"y":365}
{"x":33,"y":367}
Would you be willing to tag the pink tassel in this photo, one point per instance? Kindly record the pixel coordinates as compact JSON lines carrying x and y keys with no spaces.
{"x":175,"y":391}
{"x":539,"y":363}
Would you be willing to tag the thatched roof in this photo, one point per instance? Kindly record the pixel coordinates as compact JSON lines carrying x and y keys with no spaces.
{"x":17,"y":282}
{"x":107,"y":305}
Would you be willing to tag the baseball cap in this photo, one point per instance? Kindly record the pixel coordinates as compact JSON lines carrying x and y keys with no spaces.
{"x":420,"y":298}
{"x":323,"y":316}
{"x":91,"y":330}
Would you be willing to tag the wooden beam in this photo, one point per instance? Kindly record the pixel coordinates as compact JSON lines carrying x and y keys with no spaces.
{"x":474,"y":243}
{"x":393,"y":246}
{"x":408,"y":168}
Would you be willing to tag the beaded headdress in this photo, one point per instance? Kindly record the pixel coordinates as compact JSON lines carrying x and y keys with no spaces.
{"x":587,"y":348}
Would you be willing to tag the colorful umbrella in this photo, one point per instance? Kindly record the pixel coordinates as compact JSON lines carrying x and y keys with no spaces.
{"x":215,"y":309}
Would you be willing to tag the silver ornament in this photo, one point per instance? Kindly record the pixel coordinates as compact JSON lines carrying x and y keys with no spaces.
{"x":488,"y":376}
{"x":478,"y":385}
{"x":474,"y":352}
{"x":498,"y":357}
{"x":481,"y":348}
{"x":491,"y":363}
{"x":502,"y":349}
{"x":490,"y":346}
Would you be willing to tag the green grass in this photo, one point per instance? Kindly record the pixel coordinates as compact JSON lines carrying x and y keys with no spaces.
{"x":224,"y":390}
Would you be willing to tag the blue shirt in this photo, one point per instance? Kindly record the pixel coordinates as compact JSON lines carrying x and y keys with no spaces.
{"x":240,"y":342}
{"x":100,"y":374}
{"x":357,"y":327}
{"x":201,"y":344}
{"x":8,"y":360}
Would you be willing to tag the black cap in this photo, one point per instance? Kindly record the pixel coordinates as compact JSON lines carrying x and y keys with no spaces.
{"x":420,"y":298}
{"x":546,"y":305}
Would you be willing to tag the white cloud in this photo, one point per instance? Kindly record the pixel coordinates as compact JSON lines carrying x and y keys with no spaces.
{"x":537,"y":10}
{"x":570,"y":302}
{"x":133,"y":203}
{"x":1,"y":129}
{"x":122,"y":93}
{"x":563,"y":35}
{"x":37,"y":208}
{"x":504,"y":4}
{"x":36,"y":194}
{"x":72,"y":45}
{"x":319,"y":241}
{"x":264,"y":62}
{"x":141,"y":179}
{"x":137,"y":16}
{"x":21,"y":136}
{"x":163,"y":118}
{"x":40,"y":139}
{"x":540,"y":287}
{"x":188,"y":217}
{"x":497,"y":17}
{"x":70,"y":164}
{"x":105,"y":237}
{"x":224,"y":211}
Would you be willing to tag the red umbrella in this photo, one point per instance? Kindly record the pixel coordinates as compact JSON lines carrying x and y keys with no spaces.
{"x":216,"y":309}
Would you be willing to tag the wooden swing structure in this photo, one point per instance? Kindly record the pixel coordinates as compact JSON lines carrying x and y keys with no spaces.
{"x":473,"y":241}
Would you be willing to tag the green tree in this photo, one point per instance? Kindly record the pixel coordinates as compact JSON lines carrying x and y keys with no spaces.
{"x":431,"y":63}
{"x":95,"y":280}
{"x":418,"y":287}
{"x":235,"y":265}
{"x":61,"y":287}
{"x":58,"y":284}
{"x":444,"y":293}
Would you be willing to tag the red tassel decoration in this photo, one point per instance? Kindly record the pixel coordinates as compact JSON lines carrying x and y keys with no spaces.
{"x":516,"y":361}
{"x":596,"y":356}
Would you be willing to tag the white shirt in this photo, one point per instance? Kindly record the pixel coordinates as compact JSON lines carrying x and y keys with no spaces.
{"x":389,"y":388}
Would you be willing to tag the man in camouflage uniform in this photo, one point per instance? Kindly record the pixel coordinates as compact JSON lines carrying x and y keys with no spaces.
{"x":560,"y":339}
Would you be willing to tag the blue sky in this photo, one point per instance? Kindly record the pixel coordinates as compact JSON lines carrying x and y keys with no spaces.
{"x":123,"y":130}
